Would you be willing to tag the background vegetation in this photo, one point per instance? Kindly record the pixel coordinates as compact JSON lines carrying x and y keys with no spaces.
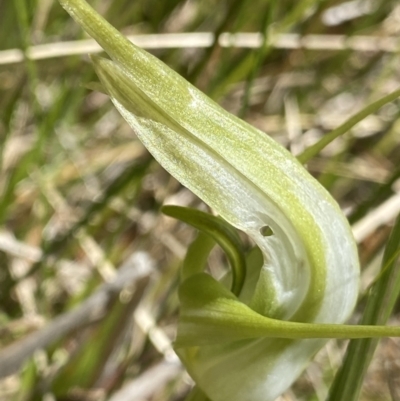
{"x":89,"y":267}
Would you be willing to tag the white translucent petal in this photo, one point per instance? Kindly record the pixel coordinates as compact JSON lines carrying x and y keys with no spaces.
{"x":311,"y":264}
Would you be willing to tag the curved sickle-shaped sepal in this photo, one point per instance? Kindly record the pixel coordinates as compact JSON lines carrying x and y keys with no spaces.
{"x":222,"y":233}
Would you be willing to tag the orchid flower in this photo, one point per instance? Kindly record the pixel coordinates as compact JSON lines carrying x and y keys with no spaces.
{"x":239,"y":347}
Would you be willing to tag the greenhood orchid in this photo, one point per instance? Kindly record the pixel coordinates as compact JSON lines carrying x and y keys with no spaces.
{"x":251,"y":343}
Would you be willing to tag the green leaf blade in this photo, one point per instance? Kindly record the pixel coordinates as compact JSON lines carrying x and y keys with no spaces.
{"x":313,"y":150}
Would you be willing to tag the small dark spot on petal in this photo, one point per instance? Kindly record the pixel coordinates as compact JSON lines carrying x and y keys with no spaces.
{"x":266,"y":231}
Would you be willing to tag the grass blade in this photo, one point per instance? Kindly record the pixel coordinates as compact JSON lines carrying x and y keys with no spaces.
{"x":380,"y":304}
{"x":346,"y":126}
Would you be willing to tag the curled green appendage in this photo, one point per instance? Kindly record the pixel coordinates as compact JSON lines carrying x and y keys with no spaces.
{"x":232,"y":347}
{"x":222,"y":233}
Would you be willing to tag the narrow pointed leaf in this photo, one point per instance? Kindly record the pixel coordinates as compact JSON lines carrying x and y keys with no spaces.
{"x":313,"y":150}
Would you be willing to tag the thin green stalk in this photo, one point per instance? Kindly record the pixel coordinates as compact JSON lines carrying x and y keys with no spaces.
{"x":312,"y":151}
{"x":197,"y":255}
